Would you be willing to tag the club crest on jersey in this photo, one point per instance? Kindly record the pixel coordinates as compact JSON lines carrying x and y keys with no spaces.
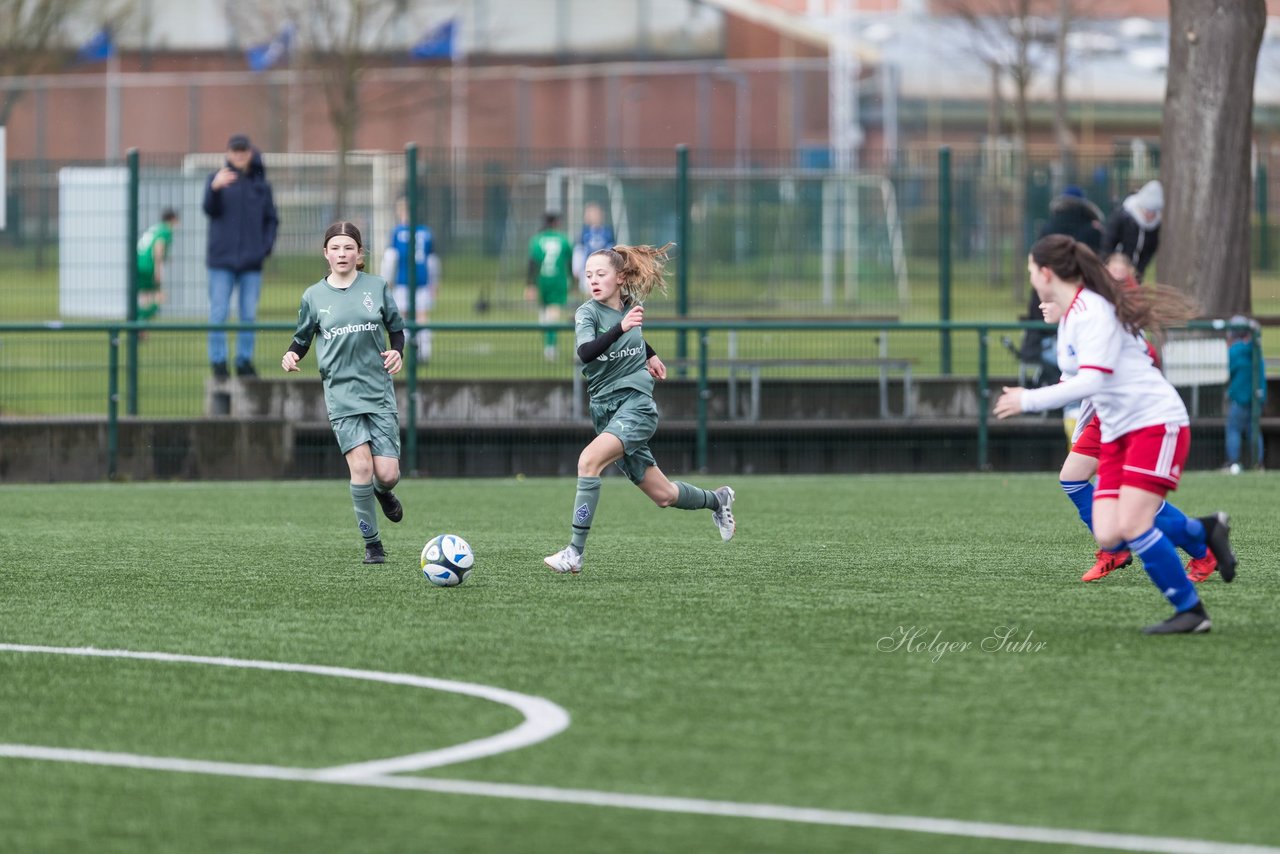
{"x":368,"y":301}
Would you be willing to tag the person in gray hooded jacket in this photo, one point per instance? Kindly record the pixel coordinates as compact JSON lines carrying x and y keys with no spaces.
{"x":1133,"y":229}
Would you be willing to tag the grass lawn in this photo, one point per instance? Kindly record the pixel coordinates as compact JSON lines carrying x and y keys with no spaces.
{"x":762,"y":671}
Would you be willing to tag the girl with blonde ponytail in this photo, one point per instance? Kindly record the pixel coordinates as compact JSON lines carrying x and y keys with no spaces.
{"x":620,"y":368}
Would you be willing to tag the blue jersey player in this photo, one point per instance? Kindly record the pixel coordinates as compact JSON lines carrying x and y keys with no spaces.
{"x":395,"y":269}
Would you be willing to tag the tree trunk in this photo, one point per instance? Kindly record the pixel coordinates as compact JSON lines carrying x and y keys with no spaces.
{"x":1205,"y":150}
{"x":1065,"y":171}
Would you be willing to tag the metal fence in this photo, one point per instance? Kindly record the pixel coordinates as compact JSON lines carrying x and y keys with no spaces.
{"x":765,"y":395}
{"x":771,"y":238}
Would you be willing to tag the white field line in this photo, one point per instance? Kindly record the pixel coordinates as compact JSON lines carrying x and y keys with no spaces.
{"x":689,"y":806}
{"x":347,"y":775}
{"x":542,"y":718}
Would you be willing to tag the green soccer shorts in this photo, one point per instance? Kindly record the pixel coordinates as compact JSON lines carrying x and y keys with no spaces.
{"x":381,"y":430}
{"x":632,"y":416}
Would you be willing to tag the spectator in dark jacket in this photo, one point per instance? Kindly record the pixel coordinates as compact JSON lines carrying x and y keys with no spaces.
{"x":1134,"y":228}
{"x":1075,"y":216}
{"x":242,"y":232}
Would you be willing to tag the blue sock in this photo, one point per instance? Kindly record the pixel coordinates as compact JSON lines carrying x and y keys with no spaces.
{"x":1081,"y":494}
{"x":1186,"y":534}
{"x":1164,"y":568}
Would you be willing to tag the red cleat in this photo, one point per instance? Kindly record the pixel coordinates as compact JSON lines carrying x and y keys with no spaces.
{"x":1108,"y":562}
{"x":1200,"y":568}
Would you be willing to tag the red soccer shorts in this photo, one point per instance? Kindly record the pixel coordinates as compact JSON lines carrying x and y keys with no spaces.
{"x":1149,"y":458}
{"x":1090,"y":441}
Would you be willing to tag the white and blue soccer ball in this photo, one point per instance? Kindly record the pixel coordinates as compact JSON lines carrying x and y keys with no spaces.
{"x":447,"y":560}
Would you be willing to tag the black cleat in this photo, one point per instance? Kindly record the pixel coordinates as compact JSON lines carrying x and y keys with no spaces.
{"x":245,"y":369}
{"x":373,"y":552}
{"x":391,"y":506}
{"x":1217,"y":536}
{"x":220,"y":371}
{"x":1194,"y":621}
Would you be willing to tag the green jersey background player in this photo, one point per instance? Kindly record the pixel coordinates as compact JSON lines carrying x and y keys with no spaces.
{"x":550,"y":275}
{"x":153,"y":252}
{"x":354,"y":314}
{"x":620,"y":369}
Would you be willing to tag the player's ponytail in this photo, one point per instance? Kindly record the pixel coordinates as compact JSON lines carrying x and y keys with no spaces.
{"x":1152,"y":308}
{"x":641,"y":269}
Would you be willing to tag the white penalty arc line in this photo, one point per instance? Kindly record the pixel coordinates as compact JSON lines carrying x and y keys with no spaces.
{"x":652,"y":803}
{"x":366,"y":774}
{"x":542,"y":718}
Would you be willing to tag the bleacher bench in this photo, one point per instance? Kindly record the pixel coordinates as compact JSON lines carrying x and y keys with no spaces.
{"x":1194,"y":362}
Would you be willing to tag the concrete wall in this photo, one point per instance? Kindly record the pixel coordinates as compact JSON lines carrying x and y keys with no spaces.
{"x":278,"y":429}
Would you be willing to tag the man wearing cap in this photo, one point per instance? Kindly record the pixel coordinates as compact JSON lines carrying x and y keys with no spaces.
{"x":1134,"y":227}
{"x":242,"y":232}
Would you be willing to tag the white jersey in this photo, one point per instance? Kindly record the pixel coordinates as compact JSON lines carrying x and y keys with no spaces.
{"x":1102,"y":361}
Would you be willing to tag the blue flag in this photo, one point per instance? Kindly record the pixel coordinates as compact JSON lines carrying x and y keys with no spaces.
{"x":270,"y":54}
{"x":440,"y":42}
{"x":99,"y":48}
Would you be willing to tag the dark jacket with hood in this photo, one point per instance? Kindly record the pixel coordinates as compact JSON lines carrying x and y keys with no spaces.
{"x":1075,"y":216}
{"x":1129,"y":232}
{"x":242,"y":220}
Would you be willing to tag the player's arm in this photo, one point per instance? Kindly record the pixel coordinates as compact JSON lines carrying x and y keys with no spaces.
{"x":597,"y":347}
{"x":393,"y":356}
{"x":302,"y":337}
{"x":158,"y":253}
{"x":657,"y":369}
{"x":1084,"y":384}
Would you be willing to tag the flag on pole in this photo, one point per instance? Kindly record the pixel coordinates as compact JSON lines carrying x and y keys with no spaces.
{"x":439,"y":42}
{"x":267,"y":55}
{"x":99,"y":48}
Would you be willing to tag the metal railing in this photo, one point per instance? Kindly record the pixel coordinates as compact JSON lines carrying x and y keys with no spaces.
{"x":717,"y":358}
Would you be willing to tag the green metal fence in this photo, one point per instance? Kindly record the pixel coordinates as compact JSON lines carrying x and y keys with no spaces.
{"x":919,"y":237}
{"x":858,"y":392}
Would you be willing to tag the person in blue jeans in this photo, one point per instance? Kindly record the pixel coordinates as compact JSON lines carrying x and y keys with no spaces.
{"x":1241,"y":392}
{"x":242,"y":232}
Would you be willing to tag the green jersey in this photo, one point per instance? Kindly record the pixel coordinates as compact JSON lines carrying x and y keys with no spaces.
{"x":351,"y":323}
{"x":553,"y":254}
{"x":160,"y":233}
{"x":624,"y":365}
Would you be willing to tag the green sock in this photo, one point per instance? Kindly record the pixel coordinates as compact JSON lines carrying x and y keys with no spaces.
{"x":149,"y":311}
{"x":549,"y":338}
{"x":366,"y":510}
{"x":690,"y":497}
{"x":584,"y":510}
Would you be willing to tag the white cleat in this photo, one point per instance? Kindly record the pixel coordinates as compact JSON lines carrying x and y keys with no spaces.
{"x":567,"y":559}
{"x":724,"y":516}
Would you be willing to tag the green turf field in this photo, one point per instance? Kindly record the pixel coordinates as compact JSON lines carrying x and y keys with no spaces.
{"x":699,"y":677}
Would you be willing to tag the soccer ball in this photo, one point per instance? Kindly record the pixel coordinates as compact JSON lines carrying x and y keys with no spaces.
{"x":447,"y":560}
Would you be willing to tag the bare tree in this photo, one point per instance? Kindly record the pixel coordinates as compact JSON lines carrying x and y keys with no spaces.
{"x":1013,"y":39}
{"x":1205,"y":150}
{"x":33,"y":37}
{"x":1061,"y":126}
{"x":339,"y":40}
